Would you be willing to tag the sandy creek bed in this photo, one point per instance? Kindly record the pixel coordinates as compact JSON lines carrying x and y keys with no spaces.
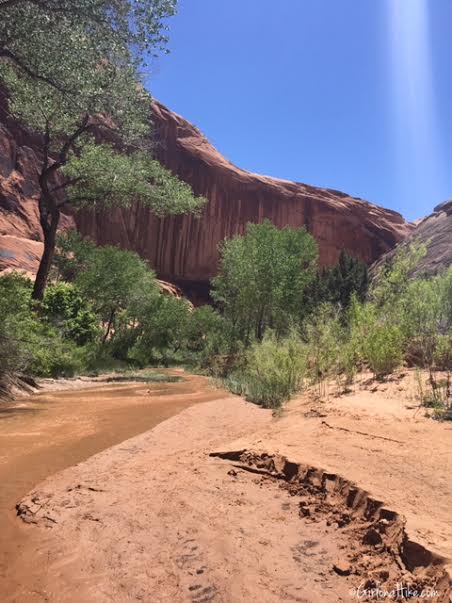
{"x":222,"y":502}
{"x":52,"y":430}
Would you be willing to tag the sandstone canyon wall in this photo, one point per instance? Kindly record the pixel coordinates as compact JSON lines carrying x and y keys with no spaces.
{"x":435,"y":232}
{"x":184,"y":249}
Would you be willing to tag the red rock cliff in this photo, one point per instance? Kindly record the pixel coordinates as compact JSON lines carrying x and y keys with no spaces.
{"x":183,"y":249}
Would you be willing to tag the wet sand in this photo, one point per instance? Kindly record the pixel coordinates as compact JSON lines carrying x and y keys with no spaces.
{"x":47,"y":432}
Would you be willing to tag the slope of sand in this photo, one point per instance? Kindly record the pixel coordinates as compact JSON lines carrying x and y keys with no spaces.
{"x":156,"y":518}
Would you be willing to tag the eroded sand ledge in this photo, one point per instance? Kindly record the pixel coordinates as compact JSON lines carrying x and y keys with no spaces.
{"x":157,"y":519}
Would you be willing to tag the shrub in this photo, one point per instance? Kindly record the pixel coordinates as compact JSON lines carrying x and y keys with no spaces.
{"x":54,"y":357}
{"x":29,"y":343}
{"x":274,"y":370}
{"x":67,"y":311}
{"x":18,"y":328}
{"x":443,"y":352}
{"x":347,"y":279}
{"x":204,"y":323}
{"x":383,"y":349}
{"x":393,"y":278}
{"x":210,"y":342}
{"x":360,"y":320}
{"x":161,"y":331}
{"x":323,"y":335}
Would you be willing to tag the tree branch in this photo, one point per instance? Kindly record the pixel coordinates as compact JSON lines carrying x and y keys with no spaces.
{"x":46,"y":145}
{"x":69,"y":182}
{"x":47,"y":201}
{"x":72,"y":11}
{"x":84,"y":126}
{"x":9,"y":3}
{"x":6,"y":53}
{"x":67,"y":146}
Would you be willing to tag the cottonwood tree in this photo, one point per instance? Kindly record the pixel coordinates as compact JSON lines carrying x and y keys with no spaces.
{"x":72,"y":72}
{"x":37,"y":35}
{"x":263,"y":276}
{"x":115,"y":280}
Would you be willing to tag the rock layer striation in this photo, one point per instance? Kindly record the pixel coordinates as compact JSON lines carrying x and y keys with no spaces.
{"x":184,"y":249}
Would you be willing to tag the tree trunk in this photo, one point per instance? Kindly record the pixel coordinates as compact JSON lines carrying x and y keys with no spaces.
{"x":110,"y":324}
{"x":49,"y":223}
{"x":49,"y":213}
{"x":260,"y":324}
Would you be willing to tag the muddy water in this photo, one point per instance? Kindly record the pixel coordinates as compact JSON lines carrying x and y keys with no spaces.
{"x":48,"y":432}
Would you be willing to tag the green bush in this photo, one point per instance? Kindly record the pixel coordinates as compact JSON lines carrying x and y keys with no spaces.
{"x":383,"y":349}
{"x":54,"y":357}
{"x":360,"y":320}
{"x":115,"y":281}
{"x":323,"y":335}
{"x":204,"y":324}
{"x":392,"y":279}
{"x":19,"y":329}
{"x":274,"y":370}
{"x":443,"y":352}
{"x":66,"y":310}
{"x":446,"y":300}
{"x":337,"y":285}
{"x":29,"y":344}
{"x":210,"y":342}
{"x":160,"y":332}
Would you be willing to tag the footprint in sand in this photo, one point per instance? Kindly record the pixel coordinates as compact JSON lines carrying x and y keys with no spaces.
{"x":195,"y":574}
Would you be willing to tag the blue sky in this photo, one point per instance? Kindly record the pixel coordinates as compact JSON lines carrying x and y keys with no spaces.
{"x":349,"y":94}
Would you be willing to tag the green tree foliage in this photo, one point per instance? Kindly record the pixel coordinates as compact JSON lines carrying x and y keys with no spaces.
{"x":72,"y":73}
{"x":204,"y":321}
{"x":347,"y":278}
{"x":262,"y":278}
{"x":445,"y":293}
{"x":403,"y":319}
{"x":15,"y":291}
{"x":360,"y":319}
{"x":443,"y":352}
{"x":29,"y":344}
{"x":42,"y":39}
{"x":65,"y":309}
{"x":161,"y":330}
{"x":101,"y":176}
{"x":337,"y":285}
{"x":114,"y":281}
{"x":71,"y":255}
{"x":211,"y":342}
{"x":139,"y":324}
{"x":394,"y":276}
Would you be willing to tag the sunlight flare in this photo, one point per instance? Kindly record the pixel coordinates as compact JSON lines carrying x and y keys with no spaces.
{"x":413,"y":92}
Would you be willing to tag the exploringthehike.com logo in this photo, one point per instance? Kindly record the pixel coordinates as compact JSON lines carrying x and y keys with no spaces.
{"x":400,"y":592}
